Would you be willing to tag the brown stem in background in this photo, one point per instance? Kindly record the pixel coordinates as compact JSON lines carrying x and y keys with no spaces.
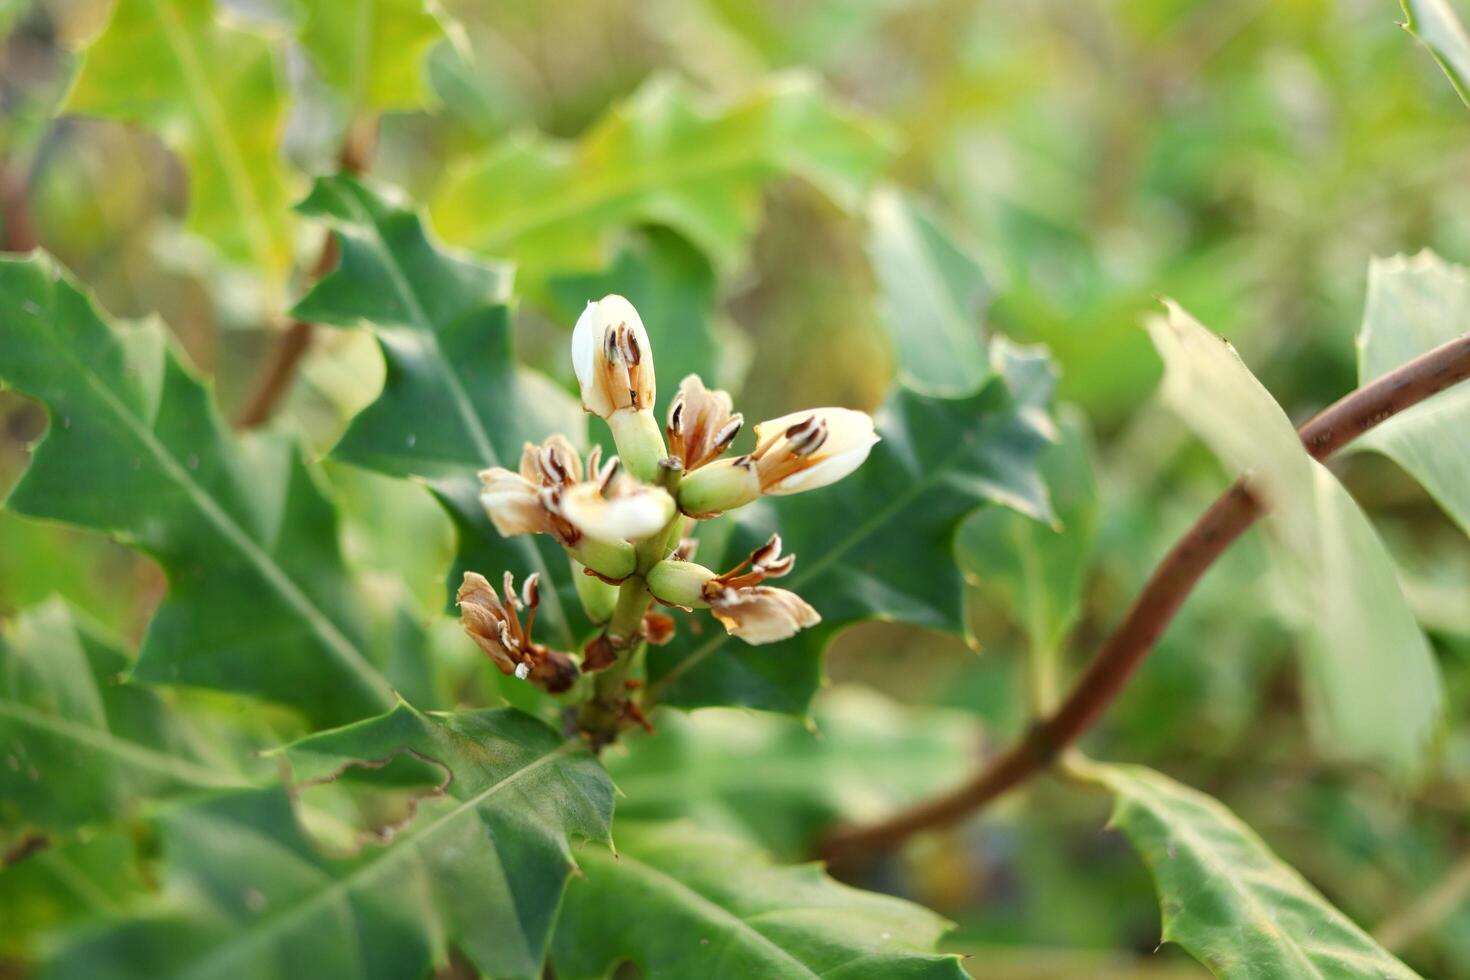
{"x":279,"y":369}
{"x":15,"y":211}
{"x":1165,"y":592}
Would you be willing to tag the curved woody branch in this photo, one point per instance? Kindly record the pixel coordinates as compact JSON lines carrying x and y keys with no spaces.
{"x":1155,"y":607}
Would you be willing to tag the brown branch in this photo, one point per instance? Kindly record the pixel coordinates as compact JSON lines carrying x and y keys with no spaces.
{"x":15,"y":211}
{"x":1155,"y":607}
{"x":279,"y":369}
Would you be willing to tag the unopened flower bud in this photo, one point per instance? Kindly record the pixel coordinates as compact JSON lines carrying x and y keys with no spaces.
{"x":613,"y":361}
{"x":679,"y":583}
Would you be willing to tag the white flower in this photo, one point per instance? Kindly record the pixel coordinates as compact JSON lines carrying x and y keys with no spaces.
{"x":806,"y":450}
{"x":800,"y":451}
{"x":700,"y":425}
{"x":523,"y":503}
{"x":612,"y":358}
{"x":533,"y":501}
{"x":762,"y":614}
{"x":626,"y":511}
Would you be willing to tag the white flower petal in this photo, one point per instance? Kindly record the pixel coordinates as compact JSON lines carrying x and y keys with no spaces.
{"x":828,"y":470}
{"x":762,"y":614}
{"x":511,"y":503}
{"x":625,"y":517}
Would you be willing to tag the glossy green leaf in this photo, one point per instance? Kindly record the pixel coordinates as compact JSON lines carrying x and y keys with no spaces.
{"x":454,"y":401}
{"x":673,"y":286}
{"x":480,"y":865}
{"x":1372,"y":680}
{"x":663,"y":157}
{"x":681,"y":902}
{"x":370,"y":52}
{"x":1414,"y":305}
{"x":79,"y":746}
{"x":259,"y":600}
{"x":934,"y":296}
{"x":1226,"y":898}
{"x":1039,"y":566}
{"x":879,"y":544}
{"x":211,"y":91}
{"x":1440,"y":29}
{"x":780,"y":783}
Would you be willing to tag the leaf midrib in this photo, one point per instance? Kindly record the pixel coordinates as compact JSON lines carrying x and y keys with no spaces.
{"x":105,"y":741}
{"x":334,"y":640}
{"x":686,"y":896}
{"x":1157,"y":801}
{"x":464,"y":407}
{"x":290,"y":915}
{"x":220,"y":139}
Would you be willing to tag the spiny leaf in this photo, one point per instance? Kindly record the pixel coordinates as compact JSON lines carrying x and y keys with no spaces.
{"x":79,"y":747}
{"x":1439,"y":28}
{"x":661,"y":158}
{"x":259,"y":600}
{"x":934,"y":295}
{"x":1226,"y":898}
{"x":780,"y":783}
{"x":370,"y":52}
{"x":1414,"y":305}
{"x":482,"y":866}
{"x":453,"y":402}
{"x":681,"y":902}
{"x":1372,"y":680}
{"x":879,"y":544}
{"x":212,"y":92}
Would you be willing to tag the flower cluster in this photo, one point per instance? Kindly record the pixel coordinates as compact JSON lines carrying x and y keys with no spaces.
{"x":624,"y":521}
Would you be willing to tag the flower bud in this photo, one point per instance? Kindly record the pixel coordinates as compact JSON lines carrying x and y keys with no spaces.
{"x":612,"y":357}
{"x":679,"y":583}
{"x":719,"y":486}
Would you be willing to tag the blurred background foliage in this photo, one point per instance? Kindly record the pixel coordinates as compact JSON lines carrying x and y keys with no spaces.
{"x":1245,"y":157}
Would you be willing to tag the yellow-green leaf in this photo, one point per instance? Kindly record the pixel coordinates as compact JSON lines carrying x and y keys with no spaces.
{"x":211,"y":91}
{"x":370,"y":52}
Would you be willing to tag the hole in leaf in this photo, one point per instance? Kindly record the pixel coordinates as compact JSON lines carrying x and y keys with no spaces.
{"x":368,"y":801}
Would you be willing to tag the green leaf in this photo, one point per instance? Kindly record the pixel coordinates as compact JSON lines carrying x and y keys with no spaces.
{"x":879,"y":544}
{"x":370,"y":52}
{"x":662,"y":158}
{"x":673,"y":286}
{"x":212,"y":93}
{"x":1040,"y":566}
{"x":1439,"y":28}
{"x":680,"y":902}
{"x":1414,"y":305}
{"x":934,"y":296}
{"x":481,"y":865}
{"x":1234,"y":905}
{"x":1372,"y":681}
{"x":65,"y":883}
{"x":259,"y":600}
{"x":82,"y":747}
{"x":453,"y":401}
{"x":780,"y":783}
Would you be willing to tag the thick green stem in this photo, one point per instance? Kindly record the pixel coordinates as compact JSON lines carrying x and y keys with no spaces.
{"x":602,"y":716}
